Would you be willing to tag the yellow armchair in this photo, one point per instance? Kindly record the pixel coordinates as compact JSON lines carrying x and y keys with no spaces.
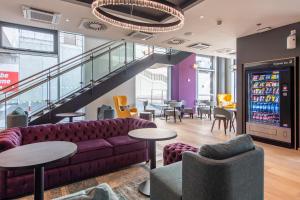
{"x":121,"y":101}
{"x":225,"y":101}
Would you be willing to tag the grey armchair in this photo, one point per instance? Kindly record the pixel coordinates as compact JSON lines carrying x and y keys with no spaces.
{"x":240,"y":177}
{"x":105,"y":112}
{"x":17,"y":118}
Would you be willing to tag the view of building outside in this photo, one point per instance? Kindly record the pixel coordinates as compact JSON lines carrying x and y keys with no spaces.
{"x":40,"y":54}
{"x":152,"y":86}
{"x":205,"y":78}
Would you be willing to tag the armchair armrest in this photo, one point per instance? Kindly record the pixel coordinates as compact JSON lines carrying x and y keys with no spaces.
{"x":140,"y":123}
{"x":10,"y":138}
{"x":133,"y":110}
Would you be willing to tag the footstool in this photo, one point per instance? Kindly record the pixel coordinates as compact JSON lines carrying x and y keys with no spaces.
{"x":146,"y":115}
{"x":173,"y":152}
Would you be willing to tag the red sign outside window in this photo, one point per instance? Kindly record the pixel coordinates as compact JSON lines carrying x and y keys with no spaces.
{"x":8,"y":76}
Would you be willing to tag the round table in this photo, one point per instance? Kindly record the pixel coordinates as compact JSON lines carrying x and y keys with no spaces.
{"x":70,"y":115}
{"x":36,"y":156}
{"x":151,"y":135}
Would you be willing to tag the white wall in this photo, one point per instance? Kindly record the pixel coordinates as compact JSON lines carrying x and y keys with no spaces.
{"x":90,"y":43}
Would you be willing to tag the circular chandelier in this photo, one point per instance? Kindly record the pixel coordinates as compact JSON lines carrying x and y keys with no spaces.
{"x":166,"y":8}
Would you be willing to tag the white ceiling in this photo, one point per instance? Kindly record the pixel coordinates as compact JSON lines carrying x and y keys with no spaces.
{"x":239,"y":19}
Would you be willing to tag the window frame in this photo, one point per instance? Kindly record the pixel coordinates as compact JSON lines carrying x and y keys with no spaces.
{"x":30,"y":28}
{"x":212,"y":71}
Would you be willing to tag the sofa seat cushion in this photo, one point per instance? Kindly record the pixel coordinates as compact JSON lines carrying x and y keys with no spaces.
{"x":91,"y":150}
{"x":166,"y":182}
{"x":125,"y":144}
{"x":238,"y":145}
{"x":21,"y":172}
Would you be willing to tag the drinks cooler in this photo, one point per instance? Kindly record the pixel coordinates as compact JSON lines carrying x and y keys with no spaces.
{"x":270,"y":100}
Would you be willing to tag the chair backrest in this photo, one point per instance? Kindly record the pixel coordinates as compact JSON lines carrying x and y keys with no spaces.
{"x":121,"y":101}
{"x":175,"y":104}
{"x":224,"y":112}
{"x":224,"y":99}
{"x":237,"y":178}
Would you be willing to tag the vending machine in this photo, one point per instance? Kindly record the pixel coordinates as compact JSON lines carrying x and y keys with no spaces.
{"x":270,"y":98}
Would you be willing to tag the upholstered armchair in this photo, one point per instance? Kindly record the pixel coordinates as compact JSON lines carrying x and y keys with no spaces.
{"x":225,"y":101}
{"x":122,"y":109}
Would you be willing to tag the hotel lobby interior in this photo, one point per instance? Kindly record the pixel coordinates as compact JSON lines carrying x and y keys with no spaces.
{"x":147,"y":99}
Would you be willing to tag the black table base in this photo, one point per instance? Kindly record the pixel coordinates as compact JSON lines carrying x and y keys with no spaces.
{"x":144,"y":187}
{"x":39,"y":183}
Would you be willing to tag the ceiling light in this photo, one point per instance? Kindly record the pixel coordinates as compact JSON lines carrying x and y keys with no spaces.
{"x":188,"y":33}
{"x":67,"y":20}
{"x":201,"y":17}
{"x":165,"y":7}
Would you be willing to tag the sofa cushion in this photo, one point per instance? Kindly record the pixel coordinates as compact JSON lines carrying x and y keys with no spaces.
{"x":91,"y":150}
{"x":125,"y":144}
{"x":166,"y":182}
{"x":10,"y":138}
{"x":236,"y":146}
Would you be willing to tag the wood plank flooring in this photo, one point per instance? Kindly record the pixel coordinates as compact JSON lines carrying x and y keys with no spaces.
{"x":282,"y":166}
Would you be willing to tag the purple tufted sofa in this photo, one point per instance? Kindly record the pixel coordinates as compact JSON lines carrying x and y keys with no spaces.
{"x":103,"y":146}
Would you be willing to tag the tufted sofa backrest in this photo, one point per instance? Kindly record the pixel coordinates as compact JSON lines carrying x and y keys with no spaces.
{"x":76,"y":131}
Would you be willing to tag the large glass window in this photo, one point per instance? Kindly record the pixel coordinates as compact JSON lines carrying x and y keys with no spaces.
{"x":70,"y":45}
{"x":28,"y":38}
{"x":152,"y":86}
{"x":205,"y":78}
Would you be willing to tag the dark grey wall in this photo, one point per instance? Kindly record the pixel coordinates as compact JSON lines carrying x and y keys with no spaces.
{"x":259,"y":47}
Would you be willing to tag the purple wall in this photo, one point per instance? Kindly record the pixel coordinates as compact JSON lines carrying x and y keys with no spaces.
{"x":184,"y":81}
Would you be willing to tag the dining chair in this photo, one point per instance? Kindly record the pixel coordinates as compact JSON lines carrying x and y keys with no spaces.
{"x":174,"y":110}
{"x":204,"y":107}
{"x":224,"y":115}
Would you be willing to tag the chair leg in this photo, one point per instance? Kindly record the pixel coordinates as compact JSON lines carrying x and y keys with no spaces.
{"x":219,"y":124}
{"x":232,"y":124}
{"x":192,"y":116}
{"x":229,"y":123}
{"x":225,"y":125}
{"x":179,"y":118}
{"x":166,"y":118}
{"x":212,"y":127}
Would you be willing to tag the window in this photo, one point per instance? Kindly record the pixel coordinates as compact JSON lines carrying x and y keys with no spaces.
{"x":70,"y":45}
{"x":205,"y":78}
{"x":152,"y":86}
{"x":26,"y":38}
{"x":233,"y":80}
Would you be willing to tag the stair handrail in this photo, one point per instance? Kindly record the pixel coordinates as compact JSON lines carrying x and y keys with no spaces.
{"x":101,"y":47}
{"x":53,"y":76}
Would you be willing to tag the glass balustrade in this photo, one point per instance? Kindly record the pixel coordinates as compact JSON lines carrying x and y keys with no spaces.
{"x":42,"y":91}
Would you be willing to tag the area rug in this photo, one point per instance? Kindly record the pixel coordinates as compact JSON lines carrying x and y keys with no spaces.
{"x":124,"y":182}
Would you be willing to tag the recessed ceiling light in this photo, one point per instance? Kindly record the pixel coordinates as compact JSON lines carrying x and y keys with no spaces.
{"x":188,"y":33}
{"x":67,"y":20}
{"x":201,"y":17}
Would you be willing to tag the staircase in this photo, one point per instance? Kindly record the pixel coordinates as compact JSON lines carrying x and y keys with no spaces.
{"x":102,"y":69}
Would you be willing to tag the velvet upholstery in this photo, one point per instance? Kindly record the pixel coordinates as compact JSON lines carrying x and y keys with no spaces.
{"x":173,"y":152}
{"x":95,"y":156}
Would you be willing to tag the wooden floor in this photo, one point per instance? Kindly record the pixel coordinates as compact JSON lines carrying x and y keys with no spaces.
{"x":282,"y":166}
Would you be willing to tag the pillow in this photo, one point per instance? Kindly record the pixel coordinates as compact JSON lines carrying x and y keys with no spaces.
{"x":100,"y":192}
{"x":123,"y":108}
{"x":18,"y":111}
{"x":236,"y":146}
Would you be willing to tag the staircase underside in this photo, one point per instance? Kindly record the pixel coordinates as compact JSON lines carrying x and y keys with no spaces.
{"x":100,"y":87}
